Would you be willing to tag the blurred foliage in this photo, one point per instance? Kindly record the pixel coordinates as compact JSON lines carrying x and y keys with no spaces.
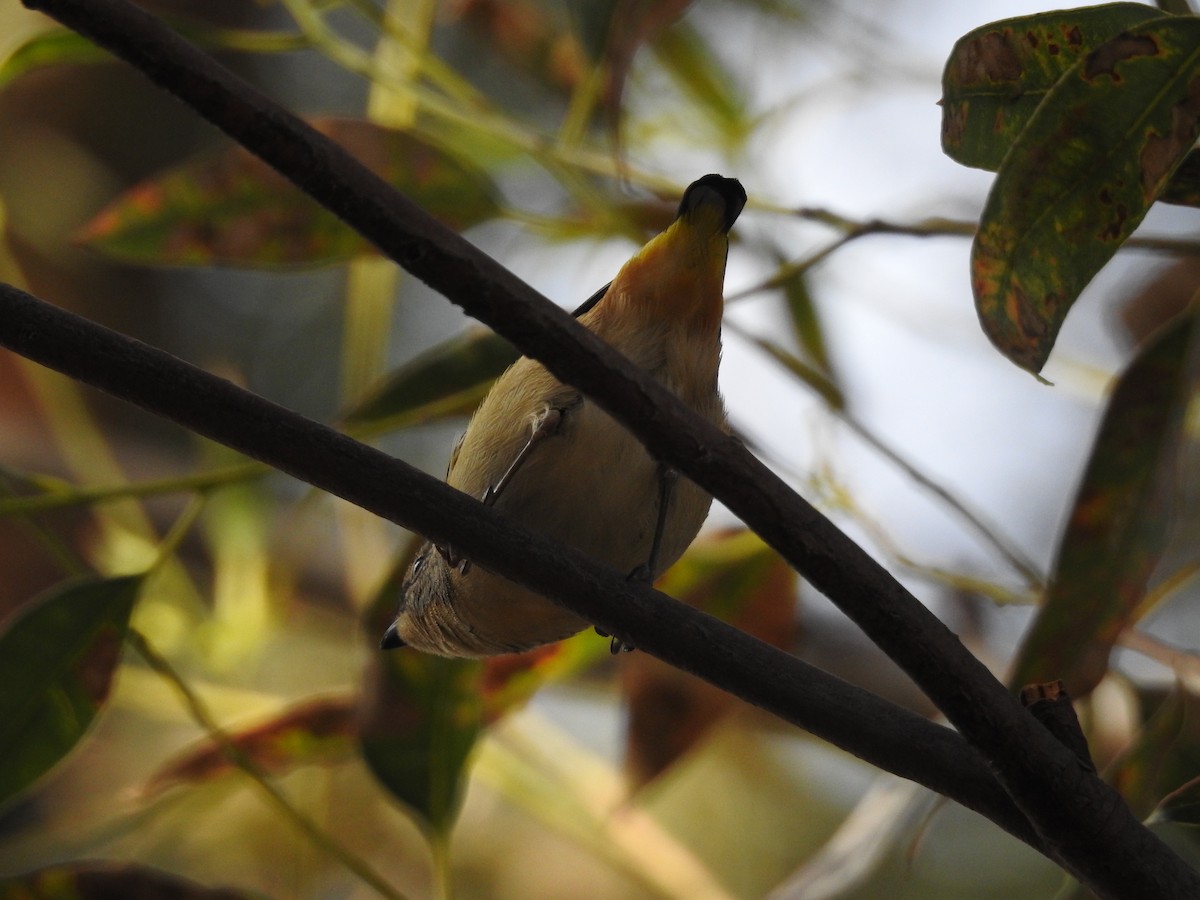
{"x":258,"y":722}
{"x":230,"y":208}
{"x":1089,"y":116}
{"x":1121,"y":520}
{"x":58,"y":659}
{"x":93,"y":882}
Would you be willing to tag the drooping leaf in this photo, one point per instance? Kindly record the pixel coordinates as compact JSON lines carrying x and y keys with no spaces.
{"x":1080,"y":177}
{"x":419,"y":720}
{"x":808,"y":374}
{"x":1120,"y":521}
{"x":614,"y":31}
{"x":736,"y":577}
{"x":449,"y":379}
{"x":313,"y":732}
{"x":230,"y":208}
{"x":57,"y":658}
{"x":812,"y":368}
{"x":707,"y":82}
{"x":105,"y":881}
{"x":997,"y":74}
{"x":806,"y":323}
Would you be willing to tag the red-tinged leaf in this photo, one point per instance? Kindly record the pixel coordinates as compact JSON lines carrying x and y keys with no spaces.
{"x":230,"y":208}
{"x":57,"y":659}
{"x":419,"y":719}
{"x":1120,"y":522}
{"x":107,"y":881}
{"x":998,"y":74}
{"x":1080,"y":177}
{"x":315,"y":732}
{"x":734,"y":576}
{"x":510,"y":681}
{"x":447,"y":380}
{"x":1165,"y":758}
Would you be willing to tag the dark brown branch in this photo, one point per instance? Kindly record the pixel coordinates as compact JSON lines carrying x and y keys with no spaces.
{"x":1051,"y":705}
{"x":880,"y":732}
{"x":1084,"y":823}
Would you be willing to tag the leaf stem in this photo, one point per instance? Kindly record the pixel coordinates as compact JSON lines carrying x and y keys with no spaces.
{"x":203,"y":717}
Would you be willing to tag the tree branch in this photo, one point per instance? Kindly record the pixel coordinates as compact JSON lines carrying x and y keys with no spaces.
{"x":877,"y":731}
{"x":1084,"y":824}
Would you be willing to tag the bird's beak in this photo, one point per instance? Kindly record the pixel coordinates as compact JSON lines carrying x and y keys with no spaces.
{"x":723,"y":197}
{"x":391,"y":639}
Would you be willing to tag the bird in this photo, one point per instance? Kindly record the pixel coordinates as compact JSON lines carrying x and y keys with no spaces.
{"x":548,"y":457}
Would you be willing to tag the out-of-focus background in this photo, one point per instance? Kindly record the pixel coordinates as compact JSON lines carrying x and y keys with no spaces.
{"x":557,"y":136}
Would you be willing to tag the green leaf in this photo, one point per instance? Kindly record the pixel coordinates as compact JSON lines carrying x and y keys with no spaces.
{"x":998,"y":74}
{"x":809,"y":375}
{"x":57,"y":659}
{"x":1120,"y":520}
{"x":806,"y":323}
{"x":447,"y":380}
{"x":1184,"y":187}
{"x":813,"y":368}
{"x":1175,"y":7}
{"x":51,"y":48}
{"x":230,"y":208}
{"x":60,"y":46}
{"x":420,"y":719}
{"x":704,"y":78}
{"x":1080,"y":178}
{"x":103,"y":881}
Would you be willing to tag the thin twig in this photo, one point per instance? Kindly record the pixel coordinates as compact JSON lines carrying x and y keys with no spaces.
{"x":938,"y":226}
{"x":68,"y":496}
{"x":203,"y":717}
{"x":988,"y":532}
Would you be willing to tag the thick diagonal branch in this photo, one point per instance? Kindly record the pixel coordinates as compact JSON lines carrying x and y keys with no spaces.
{"x":880,"y":732}
{"x":1083,"y":823}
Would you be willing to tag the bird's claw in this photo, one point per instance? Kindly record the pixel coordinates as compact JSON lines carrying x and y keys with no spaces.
{"x":453,"y":560}
{"x":616,"y":645}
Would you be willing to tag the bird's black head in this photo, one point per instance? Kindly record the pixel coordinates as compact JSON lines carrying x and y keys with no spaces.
{"x":715,"y":189}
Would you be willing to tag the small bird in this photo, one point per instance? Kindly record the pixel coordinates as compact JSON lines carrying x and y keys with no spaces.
{"x":555,"y":462}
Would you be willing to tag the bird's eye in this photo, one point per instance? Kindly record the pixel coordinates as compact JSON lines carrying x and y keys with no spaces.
{"x":418,"y":564}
